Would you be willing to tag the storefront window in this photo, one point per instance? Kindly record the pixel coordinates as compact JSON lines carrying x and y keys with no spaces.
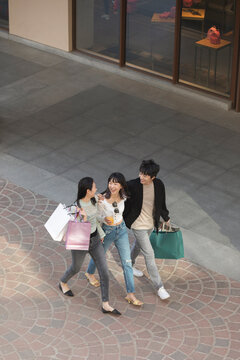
{"x":207,"y":29}
{"x":4,"y":14}
{"x":150,"y":34}
{"x":97,"y":27}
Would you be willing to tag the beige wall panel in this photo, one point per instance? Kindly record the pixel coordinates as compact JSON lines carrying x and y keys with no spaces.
{"x":48,"y":22}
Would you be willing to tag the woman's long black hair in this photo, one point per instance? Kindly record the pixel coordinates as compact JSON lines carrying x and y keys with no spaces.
{"x":85,"y":184}
{"x":117,"y":178}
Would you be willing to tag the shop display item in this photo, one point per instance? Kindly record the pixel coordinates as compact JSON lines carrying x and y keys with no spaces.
{"x":214,"y":35}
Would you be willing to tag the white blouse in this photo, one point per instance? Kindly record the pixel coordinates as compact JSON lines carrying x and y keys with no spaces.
{"x":106,"y":209}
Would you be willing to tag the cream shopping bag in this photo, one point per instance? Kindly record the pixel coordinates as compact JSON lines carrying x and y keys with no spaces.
{"x":57,"y":223}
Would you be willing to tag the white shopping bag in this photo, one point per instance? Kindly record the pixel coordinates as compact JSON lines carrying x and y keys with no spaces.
{"x":57,"y":223}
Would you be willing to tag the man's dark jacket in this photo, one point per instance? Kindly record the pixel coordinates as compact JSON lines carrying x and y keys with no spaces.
{"x":133,"y":205}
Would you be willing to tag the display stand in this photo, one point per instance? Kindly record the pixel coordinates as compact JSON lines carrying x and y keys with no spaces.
{"x":215,"y":48}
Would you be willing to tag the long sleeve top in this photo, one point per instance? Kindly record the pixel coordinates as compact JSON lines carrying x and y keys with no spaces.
{"x":92,"y":216}
{"x":133,"y":205}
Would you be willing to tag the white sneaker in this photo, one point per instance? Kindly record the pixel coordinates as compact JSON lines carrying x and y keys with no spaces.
{"x":137,"y":273}
{"x":163,"y":294}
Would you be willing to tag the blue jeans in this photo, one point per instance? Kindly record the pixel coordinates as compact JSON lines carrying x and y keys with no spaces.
{"x":118,"y":234}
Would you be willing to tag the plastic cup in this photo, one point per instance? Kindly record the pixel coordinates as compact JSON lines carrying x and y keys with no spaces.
{"x":110,"y":218}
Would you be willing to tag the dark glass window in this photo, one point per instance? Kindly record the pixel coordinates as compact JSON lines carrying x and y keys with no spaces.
{"x":150,"y":34}
{"x":3,"y":13}
{"x":207,"y":33}
{"x":97,"y":27}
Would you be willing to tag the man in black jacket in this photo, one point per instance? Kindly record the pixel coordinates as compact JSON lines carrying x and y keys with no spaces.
{"x":143,"y":209}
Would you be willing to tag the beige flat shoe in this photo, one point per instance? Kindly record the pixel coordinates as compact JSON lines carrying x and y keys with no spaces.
{"x":135,"y":302}
{"x":94,"y":282}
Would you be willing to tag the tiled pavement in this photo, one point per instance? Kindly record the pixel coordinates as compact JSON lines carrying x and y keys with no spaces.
{"x":62,"y":118}
{"x":201,"y":321}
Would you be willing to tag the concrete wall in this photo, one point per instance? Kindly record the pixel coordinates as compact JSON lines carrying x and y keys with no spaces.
{"x":48,"y":22}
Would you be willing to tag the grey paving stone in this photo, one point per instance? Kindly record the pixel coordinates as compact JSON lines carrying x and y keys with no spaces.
{"x":216,"y":134}
{"x":187,"y":213}
{"x":23,"y":173}
{"x":201,"y":171}
{"x":58,"y":189}
{"x":7,"y":138}
{"x":6,"y":60}
{"x":170,"y":159}
{"x":26,"y":354}
{"x":178,"y":355}
{"x":52,"y":137}
{"x":136,"y":147}
{"x":216,"y":321}
{"x":228,"y":183}
{"x":19,"y":89}
{"x":70,"y":67}
{"x":78,"y":125}
{"x":204,"y":348}
{"x":212,"y":229}
{"x":192,"y":145}
{"x":85,"y":169}
{"x":82,"y":150}
{"x":27,"y":127}
{"x":197,"y":304}
{"x":22,"y":288}
{"x":11,"y":336}
{"x":111,"y":160}
{"x":155,"y":113}
{"x":232,"y":143}
{"x":18,"y":70}
{"x":29,"y":53}
{"x":178,"y":186}
{"x":236,"y":170}
{"x":87,"y":99}
{"x":184,"y":122}
{"x":211,"y":200}
{"x":55,"y":162}
{"x":220,"y":156}
{"x":130,"y":124}
{"x":105,"y":135}
{"x":162,"y":135}
{"x":156,"y":356}
{"x":27,"y":150}
{"x":57,"y":324}
{"x":37,"y":330}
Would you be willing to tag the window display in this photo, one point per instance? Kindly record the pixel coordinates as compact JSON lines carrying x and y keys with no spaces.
{"x":206,"y":51}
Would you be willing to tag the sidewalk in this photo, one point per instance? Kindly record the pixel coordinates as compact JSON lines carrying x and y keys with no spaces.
{"x":64,"y":116}
{"x":201,"y":321}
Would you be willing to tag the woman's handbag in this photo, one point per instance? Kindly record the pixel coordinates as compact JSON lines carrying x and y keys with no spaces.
{"x":78,"y":234}
{"x":167,"y":244}
{"x":57,"y":223}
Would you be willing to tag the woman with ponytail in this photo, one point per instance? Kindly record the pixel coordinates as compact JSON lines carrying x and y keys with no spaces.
{"x":86,"y":202}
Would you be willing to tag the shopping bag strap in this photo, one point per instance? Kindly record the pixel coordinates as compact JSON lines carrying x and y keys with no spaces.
{"x":168,"y":228}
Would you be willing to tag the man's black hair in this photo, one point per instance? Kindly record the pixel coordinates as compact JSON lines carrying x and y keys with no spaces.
{"x":149,"y":167}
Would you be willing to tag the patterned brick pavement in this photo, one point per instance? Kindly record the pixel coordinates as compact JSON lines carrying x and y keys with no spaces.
{"x":201,"y":321}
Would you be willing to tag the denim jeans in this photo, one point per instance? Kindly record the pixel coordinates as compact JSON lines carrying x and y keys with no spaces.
{"x":142,"y":243}
{"x":118,"y":234}
{"x":97,"y":253}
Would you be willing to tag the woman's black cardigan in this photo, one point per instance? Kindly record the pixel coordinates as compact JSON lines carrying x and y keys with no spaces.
{"x":133,"y":204}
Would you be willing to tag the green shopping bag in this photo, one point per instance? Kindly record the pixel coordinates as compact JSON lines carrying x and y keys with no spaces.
{"x":167,"y":245}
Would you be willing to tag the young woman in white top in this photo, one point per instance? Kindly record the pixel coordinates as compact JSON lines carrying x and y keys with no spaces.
{"x":111,"y":208}
{"x":86,"y":201}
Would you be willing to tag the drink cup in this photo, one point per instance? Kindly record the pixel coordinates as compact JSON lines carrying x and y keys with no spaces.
{"x":110,"y":218}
